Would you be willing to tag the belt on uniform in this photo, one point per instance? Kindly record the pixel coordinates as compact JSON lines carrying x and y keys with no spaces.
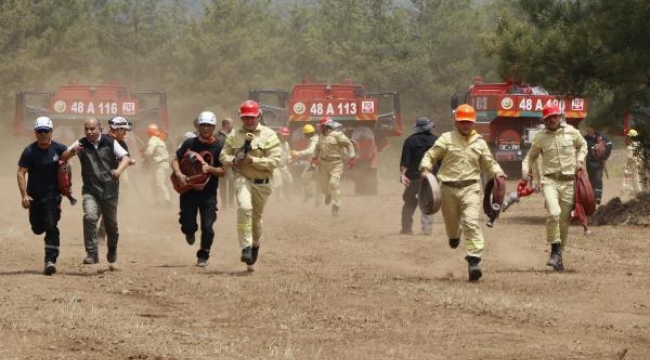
{"x":330,"y":158}
{"x":260,"y":181}
{"x":560,"y":177}
{"x":459,"y":184}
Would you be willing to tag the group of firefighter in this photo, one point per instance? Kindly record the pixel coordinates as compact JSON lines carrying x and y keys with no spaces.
{"x":252,"y":159}
{"x":246,"y":158}
{"x":460,"y":159}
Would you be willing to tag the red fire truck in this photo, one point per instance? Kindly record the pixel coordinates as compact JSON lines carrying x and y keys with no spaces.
{"x":508,"y":115}
{"x":70,"y":104}
{"x":367,"y":118}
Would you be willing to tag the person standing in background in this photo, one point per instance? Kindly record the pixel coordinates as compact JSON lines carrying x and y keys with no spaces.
{"x":226,"y":183}
{"x":600,"y":149}
{"x":157,"y":155}
{"x":413,"y":150}
{"x":328,"y":158}
{"x":308,"y":177}
{"x":282,"y":179}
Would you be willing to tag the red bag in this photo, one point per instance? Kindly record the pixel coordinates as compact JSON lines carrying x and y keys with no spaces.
{"x":64,"y":180}
{"x":191,"y":165}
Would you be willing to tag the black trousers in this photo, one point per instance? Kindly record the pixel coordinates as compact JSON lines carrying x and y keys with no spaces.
{"x":410,"y":204}
{"x":44,"y":216}
{"x":205,"y":205}
{"x":595,"y":173}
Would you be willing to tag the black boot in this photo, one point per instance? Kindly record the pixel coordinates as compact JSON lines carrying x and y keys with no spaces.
{"x":555,"y":260}
{"x":474,"y":267}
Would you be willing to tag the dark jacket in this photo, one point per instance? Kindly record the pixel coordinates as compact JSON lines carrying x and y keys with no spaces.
{"x":593,"y":160}
{"x":96,"y":166}
{"x":413,"y":151}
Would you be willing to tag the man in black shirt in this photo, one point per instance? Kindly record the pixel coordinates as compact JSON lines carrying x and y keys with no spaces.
{"x":39,"y":190}
{"x":200,"y":201}
{"x":412,"y":152}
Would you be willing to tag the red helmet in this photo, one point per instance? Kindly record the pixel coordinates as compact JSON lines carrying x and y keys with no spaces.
{"x":323,"y":120}
{"x":284,"y":131}
{"x":249,"y":108}
{"x":550,"y":110}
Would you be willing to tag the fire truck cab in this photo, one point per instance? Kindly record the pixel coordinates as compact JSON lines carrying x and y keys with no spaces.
{"x":70,"y":104}
{"x":508,"y":115}
{"x":367,"y":118}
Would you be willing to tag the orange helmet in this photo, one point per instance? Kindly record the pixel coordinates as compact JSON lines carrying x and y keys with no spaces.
{"x":284,"y":131}
{"x":465,"y":112}
{"x":550,"y":110}
{"x":152,"y":130}
{"x":249,"y":108}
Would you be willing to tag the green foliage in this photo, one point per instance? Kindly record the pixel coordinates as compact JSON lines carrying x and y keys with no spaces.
{"x":426,"y":50}
{"x":597,"y":48}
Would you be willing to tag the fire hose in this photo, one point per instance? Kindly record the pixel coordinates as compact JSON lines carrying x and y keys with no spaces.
{"x":523,"y":189}
{"x":585,"y":200}
{"x":429,"y":198}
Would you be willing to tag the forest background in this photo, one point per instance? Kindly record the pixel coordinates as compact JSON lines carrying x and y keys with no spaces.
{"x":208,"y":54}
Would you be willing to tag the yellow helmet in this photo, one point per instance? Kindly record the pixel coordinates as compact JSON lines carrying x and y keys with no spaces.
{"x":308,"y":129}
{"x":632,"y":133}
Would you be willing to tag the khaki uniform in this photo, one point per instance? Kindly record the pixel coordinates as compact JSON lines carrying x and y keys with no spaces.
{"x":282,"y":179}
{"x":631,"y":176}
{"x":463,"y":160}
{"x":559,"y":151}
{"x":157,"y":152}
{"x":252,"y":181}
{"x":308,"y":177}
{"x":329,"y":152}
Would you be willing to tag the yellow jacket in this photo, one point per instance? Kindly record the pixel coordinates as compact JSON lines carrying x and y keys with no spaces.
{"x":559,"y":150}
{"x":463,"y":158}
{"x":266,"y":152}
{"x":332,"y":145}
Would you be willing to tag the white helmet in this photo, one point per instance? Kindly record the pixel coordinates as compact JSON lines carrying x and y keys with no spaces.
{"x":119,"y":122}
{"x":43,"y":123}
{"x":207,"y":117}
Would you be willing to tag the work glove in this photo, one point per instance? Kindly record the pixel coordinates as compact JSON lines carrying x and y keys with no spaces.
{"x":352,"y":162}
{"x":315,"y":162}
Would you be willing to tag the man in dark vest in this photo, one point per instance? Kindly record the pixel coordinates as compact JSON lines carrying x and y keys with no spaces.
{"x":599,"y":150}
{"x":102,"y":160}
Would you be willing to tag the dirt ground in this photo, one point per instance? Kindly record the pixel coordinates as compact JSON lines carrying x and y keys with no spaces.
{"x":324,"y":288}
